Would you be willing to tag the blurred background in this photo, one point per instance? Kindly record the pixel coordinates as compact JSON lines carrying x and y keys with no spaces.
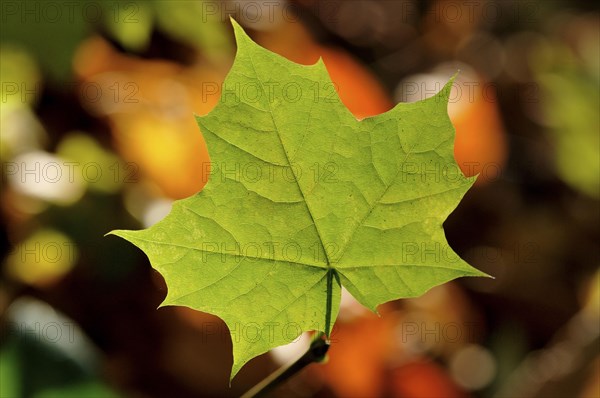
{"x":97,"y":133}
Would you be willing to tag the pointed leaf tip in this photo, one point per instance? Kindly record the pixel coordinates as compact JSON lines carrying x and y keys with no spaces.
{"x":446,"y":90}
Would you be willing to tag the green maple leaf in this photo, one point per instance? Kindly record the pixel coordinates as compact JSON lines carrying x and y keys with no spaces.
{"x":303,"y":199}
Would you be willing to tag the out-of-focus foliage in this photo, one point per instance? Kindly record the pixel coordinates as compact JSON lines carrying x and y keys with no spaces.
{"x":39,"y":357}
{"x":54,"y":255}
{"x":53,"y":31}
{"x":48,"y":31}
{"x":569,"y":76}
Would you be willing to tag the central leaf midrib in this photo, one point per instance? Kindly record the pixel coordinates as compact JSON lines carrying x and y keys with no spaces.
{"x":330,"y":269}
{"x":328,"y":262}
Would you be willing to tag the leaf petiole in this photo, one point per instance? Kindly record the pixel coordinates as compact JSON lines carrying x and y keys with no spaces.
{"x":315,"y":353}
